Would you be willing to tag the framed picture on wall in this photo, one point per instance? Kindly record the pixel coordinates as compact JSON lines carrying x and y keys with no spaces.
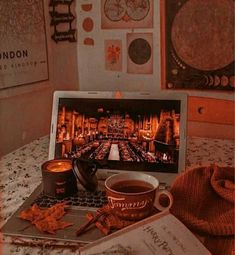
{"x":23,"y":48}
{"x":118,"y":14}
{"x":197,"y":38}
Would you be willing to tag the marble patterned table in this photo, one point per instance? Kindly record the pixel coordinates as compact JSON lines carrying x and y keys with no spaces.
{"x":20,"y":173}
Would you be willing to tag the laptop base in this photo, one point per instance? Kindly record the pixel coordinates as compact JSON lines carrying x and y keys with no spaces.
{"x":75,"y":214}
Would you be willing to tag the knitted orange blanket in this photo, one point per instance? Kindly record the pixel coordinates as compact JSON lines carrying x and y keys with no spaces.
{"x":204,"y":200}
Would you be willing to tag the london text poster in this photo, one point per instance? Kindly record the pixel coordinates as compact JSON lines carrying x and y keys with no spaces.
{"x":23,"y":49}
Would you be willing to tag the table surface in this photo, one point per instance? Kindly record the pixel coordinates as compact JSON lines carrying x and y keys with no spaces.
{"x":20,"y":174}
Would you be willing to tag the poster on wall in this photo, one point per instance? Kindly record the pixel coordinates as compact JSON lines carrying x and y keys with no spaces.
{"x":198,"y":44}
{"x":140,"y":53}
{"x":23,"y":49}
{"x":62,"y":20}
{"x":113,"y":55}
{"x":126,"y":14}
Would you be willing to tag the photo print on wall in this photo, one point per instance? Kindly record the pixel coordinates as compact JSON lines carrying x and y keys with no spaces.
{"x":126,"y":14}
{"x":113,"y":55}
{"x":198,"y":44}
{"x":140,"y":53}
{"x":87,"y":23}
{"x":62,"y":20}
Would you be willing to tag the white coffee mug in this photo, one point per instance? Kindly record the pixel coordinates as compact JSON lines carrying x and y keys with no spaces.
{"x":133,"y":195}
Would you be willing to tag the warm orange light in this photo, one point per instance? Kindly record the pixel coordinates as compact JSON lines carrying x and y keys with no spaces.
{"x":118,"y":95}
{"x":59,"y":166}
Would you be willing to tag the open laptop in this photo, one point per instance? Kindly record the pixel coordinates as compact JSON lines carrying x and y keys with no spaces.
{"x":123,"y":131}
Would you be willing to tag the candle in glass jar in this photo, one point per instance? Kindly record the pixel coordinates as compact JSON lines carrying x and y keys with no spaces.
{"x":59,"y":166}
{"x":58,"y":178}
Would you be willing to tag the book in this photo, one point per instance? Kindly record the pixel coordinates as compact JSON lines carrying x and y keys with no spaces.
{"x":160,"y":234}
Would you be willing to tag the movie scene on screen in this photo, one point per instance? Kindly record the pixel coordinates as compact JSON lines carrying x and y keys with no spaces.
{"x":123,"y":134}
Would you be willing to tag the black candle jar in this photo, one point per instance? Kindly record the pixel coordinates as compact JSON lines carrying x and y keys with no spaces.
{"x":58,"y":178}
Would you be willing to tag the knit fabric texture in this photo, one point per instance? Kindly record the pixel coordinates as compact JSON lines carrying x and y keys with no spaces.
{"x":204,"y":200}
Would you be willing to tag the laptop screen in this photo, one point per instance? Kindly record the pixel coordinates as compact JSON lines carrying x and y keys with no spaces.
{"x":129,"y":133}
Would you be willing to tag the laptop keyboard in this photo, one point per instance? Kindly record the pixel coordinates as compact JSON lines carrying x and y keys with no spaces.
{"x":83,"y":198}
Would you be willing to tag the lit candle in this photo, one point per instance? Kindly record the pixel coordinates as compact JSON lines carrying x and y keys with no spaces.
{"x":59,"y":166}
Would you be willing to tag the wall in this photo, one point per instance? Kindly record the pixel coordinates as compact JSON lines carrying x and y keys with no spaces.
{"x":25,"y":111}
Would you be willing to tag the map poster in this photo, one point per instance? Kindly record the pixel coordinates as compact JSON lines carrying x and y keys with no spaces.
{"x":23,"y":49}
{"x":126,"y":14}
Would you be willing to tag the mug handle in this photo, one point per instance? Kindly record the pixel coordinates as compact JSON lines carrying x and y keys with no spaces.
{"x":157,"y":199}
